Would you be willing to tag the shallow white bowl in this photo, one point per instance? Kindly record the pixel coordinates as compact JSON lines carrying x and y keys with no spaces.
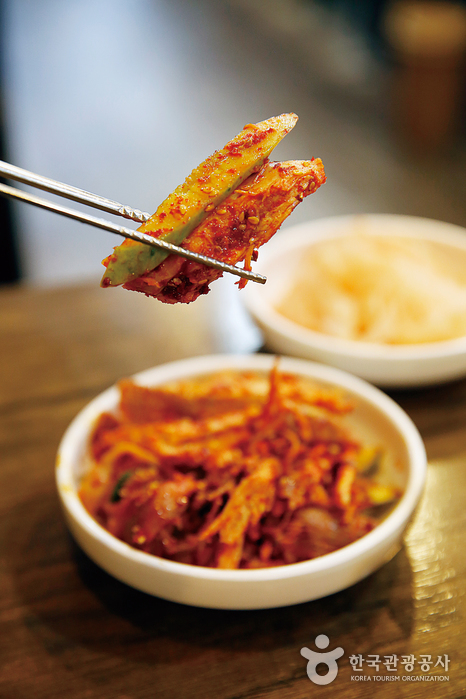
{"x":376,"y":418}
{"x":392,"y":366}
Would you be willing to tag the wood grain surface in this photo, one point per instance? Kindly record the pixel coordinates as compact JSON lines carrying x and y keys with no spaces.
{"x":70,"y":630}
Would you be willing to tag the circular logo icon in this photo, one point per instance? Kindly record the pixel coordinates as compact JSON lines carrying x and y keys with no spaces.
{"x":329,"y":659}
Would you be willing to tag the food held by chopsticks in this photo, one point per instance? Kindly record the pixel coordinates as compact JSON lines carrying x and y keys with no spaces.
{"x":234,"y":470}
{"x":227,"y":208}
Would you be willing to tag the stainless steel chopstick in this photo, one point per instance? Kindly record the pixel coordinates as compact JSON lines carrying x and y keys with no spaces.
{"x":12,"y":172}
{"x":98,"y":202}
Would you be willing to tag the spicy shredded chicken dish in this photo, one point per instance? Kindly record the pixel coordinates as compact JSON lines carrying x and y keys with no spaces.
{"x":233,"y":470}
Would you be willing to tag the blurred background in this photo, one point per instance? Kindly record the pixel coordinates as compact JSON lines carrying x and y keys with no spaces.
{"x":124,"y":97}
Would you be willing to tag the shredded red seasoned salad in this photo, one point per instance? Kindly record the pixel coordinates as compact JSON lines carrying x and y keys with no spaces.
{"x":233,"y":470}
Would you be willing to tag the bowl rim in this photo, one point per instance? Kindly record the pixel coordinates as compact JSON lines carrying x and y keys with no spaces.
{"x":315,"y":231}
{"x":395,"y":521}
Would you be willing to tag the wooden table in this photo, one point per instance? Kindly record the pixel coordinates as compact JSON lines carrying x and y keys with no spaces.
{"x":70,"y":630}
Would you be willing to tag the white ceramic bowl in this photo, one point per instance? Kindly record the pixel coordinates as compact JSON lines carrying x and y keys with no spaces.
{"x":376,"y":417}
{"x":385,"y":365}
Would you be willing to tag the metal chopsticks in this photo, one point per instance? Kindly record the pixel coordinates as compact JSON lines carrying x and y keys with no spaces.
{"x":83,"y":197}
{"x":12,"y":172}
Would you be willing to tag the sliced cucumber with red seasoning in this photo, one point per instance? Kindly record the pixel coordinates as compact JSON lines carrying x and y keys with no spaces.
{"x":208,"y":185}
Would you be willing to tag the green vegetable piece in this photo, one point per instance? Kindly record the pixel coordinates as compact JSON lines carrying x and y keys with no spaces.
{"x":208,"y":185}
{"x":115,"y":496}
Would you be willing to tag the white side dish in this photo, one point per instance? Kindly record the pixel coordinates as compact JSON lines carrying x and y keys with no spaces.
{"x":391,"y":365}
{"x":376,"y":417}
